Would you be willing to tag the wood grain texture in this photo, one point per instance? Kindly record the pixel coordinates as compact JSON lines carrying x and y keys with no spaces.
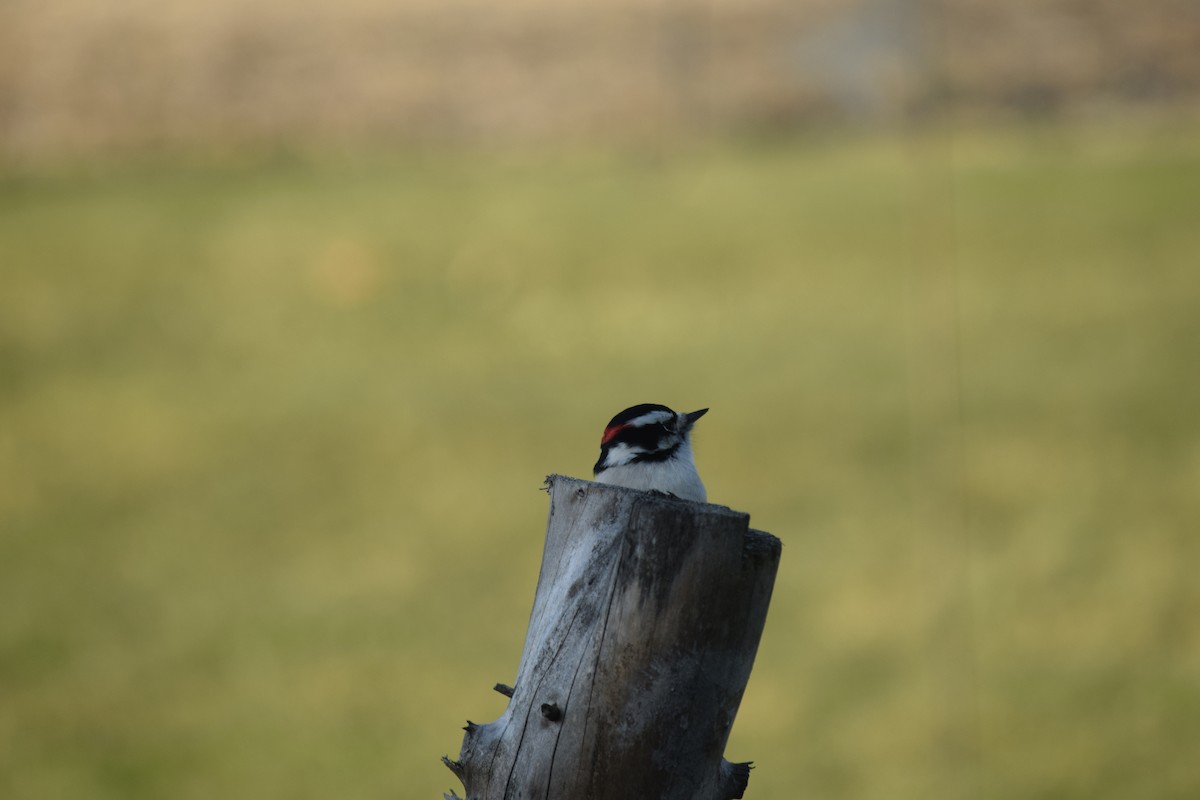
{"x":645,"y":624}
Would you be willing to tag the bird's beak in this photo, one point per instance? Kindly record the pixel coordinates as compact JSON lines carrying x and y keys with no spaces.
{"x":692,"y":416}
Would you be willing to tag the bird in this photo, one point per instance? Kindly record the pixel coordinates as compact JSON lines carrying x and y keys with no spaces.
{"x":648,"y":447}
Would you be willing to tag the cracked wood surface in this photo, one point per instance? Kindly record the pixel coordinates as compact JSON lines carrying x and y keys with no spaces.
{"x":644,"y":627}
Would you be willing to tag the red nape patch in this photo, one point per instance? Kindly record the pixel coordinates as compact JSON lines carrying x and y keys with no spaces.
{"x":610,"y":432}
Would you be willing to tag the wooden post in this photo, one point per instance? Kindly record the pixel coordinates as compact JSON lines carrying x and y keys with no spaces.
{"x":646,"y":620}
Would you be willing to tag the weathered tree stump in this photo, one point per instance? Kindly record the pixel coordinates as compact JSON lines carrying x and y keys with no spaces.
{"x":644,"y":628}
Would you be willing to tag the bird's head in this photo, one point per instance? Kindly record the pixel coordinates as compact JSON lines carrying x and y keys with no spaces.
{"x":645,"y":432}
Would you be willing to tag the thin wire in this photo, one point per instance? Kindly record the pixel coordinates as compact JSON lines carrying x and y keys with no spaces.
{"x":937,"y":220}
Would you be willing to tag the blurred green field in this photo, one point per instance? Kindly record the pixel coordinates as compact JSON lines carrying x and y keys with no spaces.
{"x":271,"y":435}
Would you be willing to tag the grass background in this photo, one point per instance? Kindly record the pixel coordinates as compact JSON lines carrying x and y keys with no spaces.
{"x":271,"y":434}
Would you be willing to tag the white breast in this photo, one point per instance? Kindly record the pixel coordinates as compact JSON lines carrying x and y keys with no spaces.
{"x":677,"y":476}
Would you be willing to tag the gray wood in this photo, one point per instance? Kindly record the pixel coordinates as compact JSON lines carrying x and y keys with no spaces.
{"x":645,"y":624}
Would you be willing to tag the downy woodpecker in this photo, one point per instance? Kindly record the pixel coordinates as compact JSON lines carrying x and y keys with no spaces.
{"x":648,"y":447}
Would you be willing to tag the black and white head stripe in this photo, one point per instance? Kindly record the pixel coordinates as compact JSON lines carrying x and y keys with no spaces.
{"x":640,"y":416}
{"x":645,"y":432}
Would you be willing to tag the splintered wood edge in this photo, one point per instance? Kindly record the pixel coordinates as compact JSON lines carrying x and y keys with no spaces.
{"x":650,"y":498}
{"x":760,"y":544}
